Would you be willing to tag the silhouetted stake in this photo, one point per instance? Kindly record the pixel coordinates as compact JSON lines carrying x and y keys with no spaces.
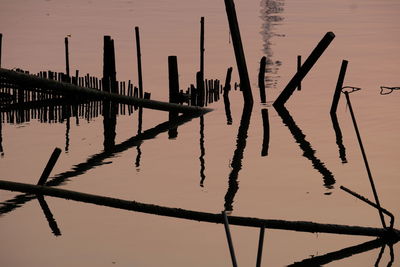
{"x":339,"y":86}
{"x":265,"y":145}
{"x":227,"y":103}
{"x":1,"y":44}
{"x":325,"y":259}
{"x":365,"y":159}
{"x":305,"y":68}
{"x":298,"y":68}
{"x":200,"y":89}
{"x":260,"y":246}
{"x":139,"y":62}
{"x":49,"y":216}
{"x":261,"y":79}
{"x":67,"y":58}
{"x":202,"y":47}
{"x":388,"y":213}
{"x":202,"y":152}
{"x":30,"y":82}
{"x":173,"y":91}
{"x":301,"y":226}
{"x":49,"y":167}
{"x":229,"y":238}
{"x":239,"y":53}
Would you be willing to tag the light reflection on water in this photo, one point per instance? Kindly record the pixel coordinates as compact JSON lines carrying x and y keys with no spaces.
{"x":211,"y":165}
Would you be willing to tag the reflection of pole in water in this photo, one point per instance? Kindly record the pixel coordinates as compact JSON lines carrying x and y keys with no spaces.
{"x":49,"y":216}
{"x":202,"y":152}
{"x":1,"y":136}
{"x":227,"y":103}
{"x":68,"y":127}
{"x":343,"y":253}
{"x":339,"y":138}
{"x":309,"y":153}
{"x":237,"y":157}
{"x":265,"y":145}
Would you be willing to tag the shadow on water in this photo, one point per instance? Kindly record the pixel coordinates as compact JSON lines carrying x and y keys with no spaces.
{"x":49,"y":216}
{"x":270,"y":14}
{"x":236,"y":163}
{"x":348,"y":252}
{"x":309,"y":152}
{"x":339,"y":138}
{"x":97,"y":160}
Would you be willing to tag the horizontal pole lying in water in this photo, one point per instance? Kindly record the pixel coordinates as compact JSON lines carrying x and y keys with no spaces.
{"x":300,"y":226}
{"x":27,"y":82}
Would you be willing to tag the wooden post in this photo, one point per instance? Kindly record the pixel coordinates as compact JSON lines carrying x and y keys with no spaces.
{"x":227,"y":103}
{"x":229,"y":238}
{"x":305,"y":68}
{"x":173,"y":91}
{"x":239,"y":52}
{"x":49,"y":166}
{"x":260,"y":246}
{"x":202,"y":47}
{"x":139,"y":62}
{"x":298,"y":68}
{"x":339,"y":86}
{"x":200,"y":89}
{"x":261,"y":79}
{"x":67,"y":58}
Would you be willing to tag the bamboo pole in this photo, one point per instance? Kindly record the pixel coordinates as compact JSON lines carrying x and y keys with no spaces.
{"x":30,"y":82}
{"x":339,"y":85}
{"x":304,"y":69}
{"x":301,"y":226}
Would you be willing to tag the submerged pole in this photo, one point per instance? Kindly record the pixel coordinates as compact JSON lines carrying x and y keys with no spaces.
{"x":261,"y":79}
{"x":139,"y":62}
{"x":1,"y":43}
{"x":202,"y":47}
{"x":66,"y":58}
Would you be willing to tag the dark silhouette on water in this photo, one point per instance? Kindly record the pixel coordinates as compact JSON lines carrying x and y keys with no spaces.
{"x":348,"y":252}
{"x":265,"y":144}
{"x":309,"y":152}
{"x":202,"y":153}
{"x":236,"y":164}
{"x":339,"y":138}
{"x":1,"y":136}
{"x":49,"y":216}
{"x":227,"y":103}
{"x":96,"y":160}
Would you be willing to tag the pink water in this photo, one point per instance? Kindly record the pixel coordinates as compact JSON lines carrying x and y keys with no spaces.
{"x":282,"y":185}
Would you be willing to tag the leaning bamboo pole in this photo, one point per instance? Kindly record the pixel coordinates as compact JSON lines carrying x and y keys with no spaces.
{"x":301,"y":226}
{"x":30,"y":82}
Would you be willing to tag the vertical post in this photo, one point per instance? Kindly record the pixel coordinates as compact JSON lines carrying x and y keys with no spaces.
{"x":261,"y":78}
{"x":304,"y":69}
{"x":139,"y":62}
{"x":365,"y":160}
{"x":67,"y":58}
{"x":298,"y":68}
{"x":173,"y":91}
{"x":202,"y":47}
{"x":229,"y":238}
{"x":239,"y":53}
{"x":260,"y":246}
{"x":339,"y":86}
{"x":200,"y":89}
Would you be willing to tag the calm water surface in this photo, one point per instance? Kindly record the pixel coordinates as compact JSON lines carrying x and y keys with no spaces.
{"x":205,"y":168}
